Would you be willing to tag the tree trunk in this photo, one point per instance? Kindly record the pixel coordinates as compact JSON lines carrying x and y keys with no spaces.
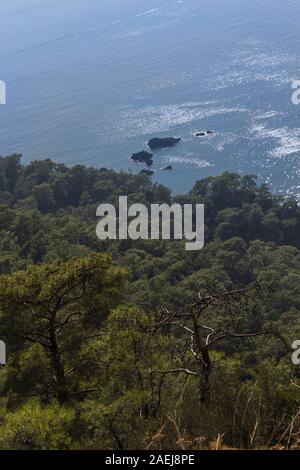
{"x":204,"y":386}
{"x":59,"y":371}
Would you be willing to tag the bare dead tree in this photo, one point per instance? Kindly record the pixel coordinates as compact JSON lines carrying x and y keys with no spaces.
{"x":202,"y":338}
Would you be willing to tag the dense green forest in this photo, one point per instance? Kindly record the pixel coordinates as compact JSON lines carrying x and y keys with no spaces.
{"x":141,"y":344}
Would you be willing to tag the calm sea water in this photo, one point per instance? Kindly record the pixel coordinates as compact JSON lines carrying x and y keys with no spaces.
{"x":90,"y":81}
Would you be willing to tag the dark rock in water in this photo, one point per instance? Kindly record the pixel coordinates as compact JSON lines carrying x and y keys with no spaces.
{"x":203,"y":133}
{"x":147,"y":172}
{"x":143,"y":157}
{"x":159,"y":143}
{"x":169,"y":167}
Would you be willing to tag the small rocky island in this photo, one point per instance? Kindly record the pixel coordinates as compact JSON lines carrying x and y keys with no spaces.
{"x":147,"y":172}
{"x":203,"y":133}
{"x":163,"y":142}
{"x":143,"y":157}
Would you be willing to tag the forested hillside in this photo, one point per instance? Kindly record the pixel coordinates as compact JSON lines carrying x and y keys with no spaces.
{"x":141,"y":344}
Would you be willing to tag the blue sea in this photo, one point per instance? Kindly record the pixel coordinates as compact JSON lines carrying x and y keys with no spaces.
{"x":91,"y":81}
